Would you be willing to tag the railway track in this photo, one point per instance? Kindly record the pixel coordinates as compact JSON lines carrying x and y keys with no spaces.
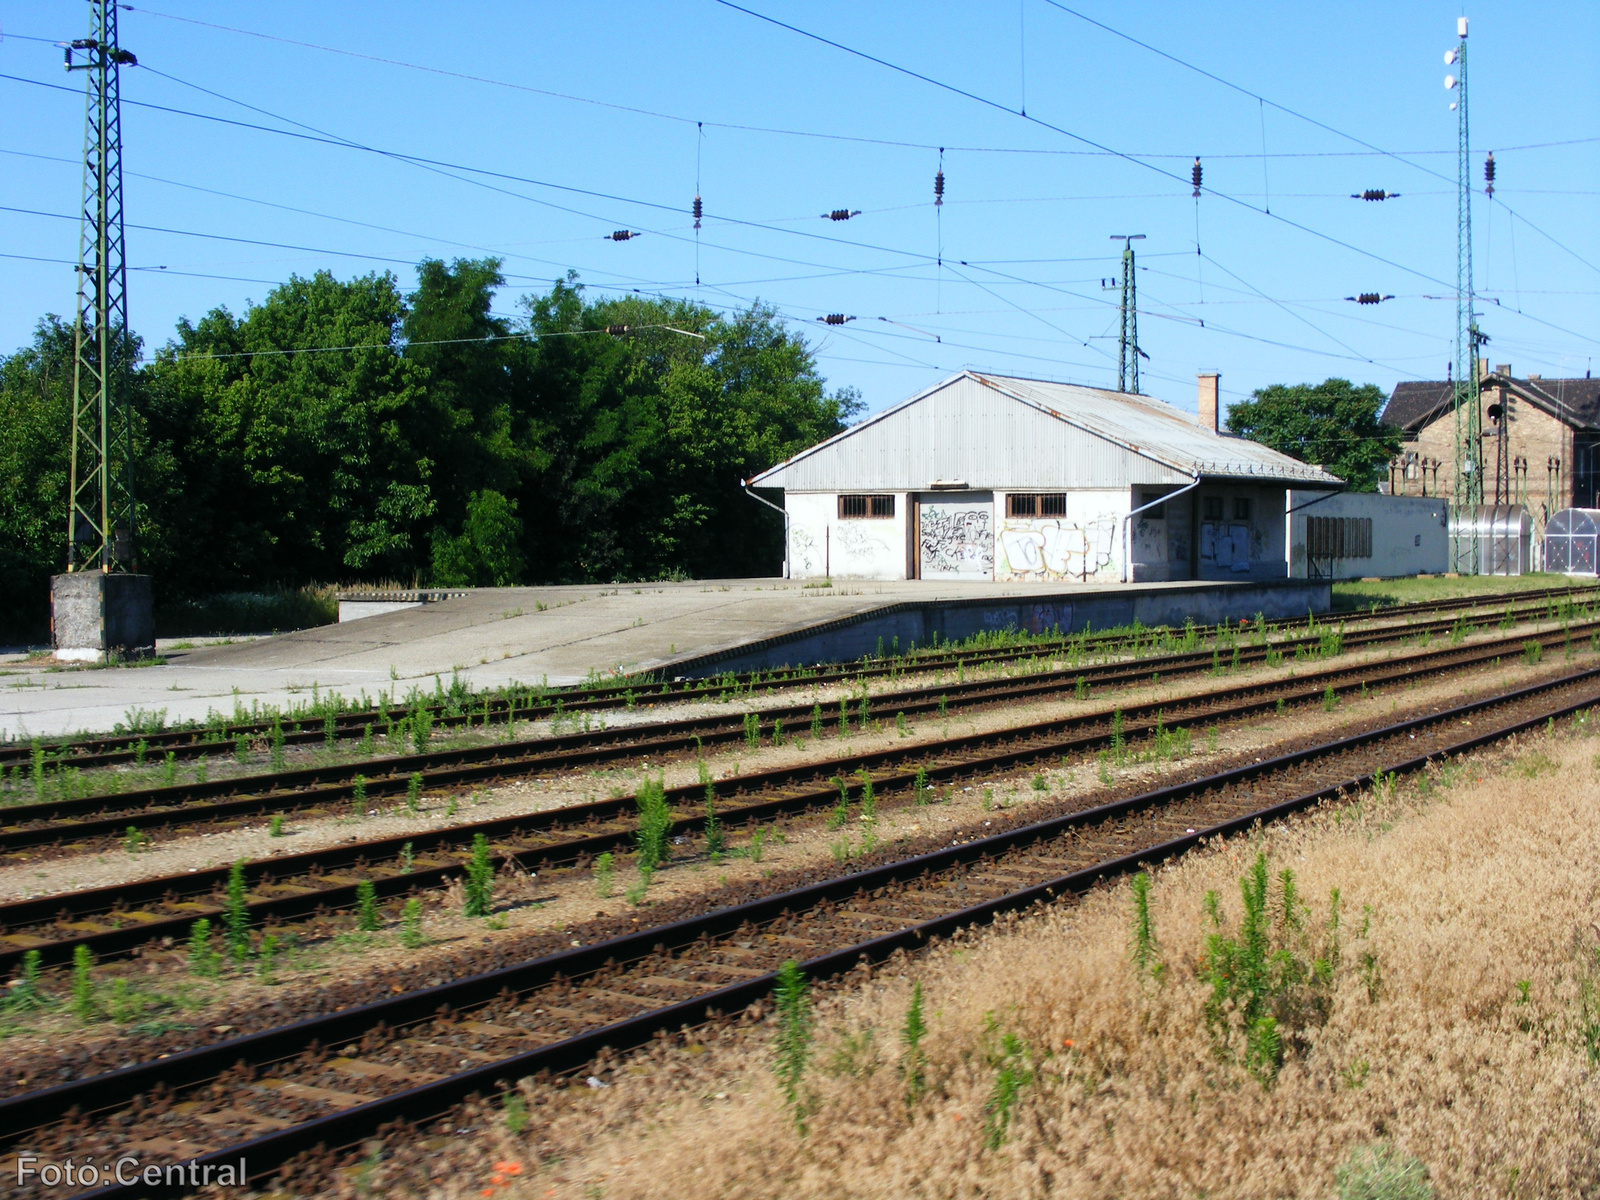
{"x":304,"y":1093}
{"x":76,"y":821}
{"x":460,"y":710}
{"x":121,"y":918}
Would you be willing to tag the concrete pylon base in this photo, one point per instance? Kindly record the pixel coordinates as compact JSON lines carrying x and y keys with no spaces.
{"x":94,"y":615}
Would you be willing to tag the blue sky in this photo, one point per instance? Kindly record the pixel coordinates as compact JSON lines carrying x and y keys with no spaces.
{"x":1023,"y":234}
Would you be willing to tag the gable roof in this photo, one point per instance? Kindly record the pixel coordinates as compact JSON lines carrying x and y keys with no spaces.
{"x":1009,"y":431}
{"x":1576,"y":402}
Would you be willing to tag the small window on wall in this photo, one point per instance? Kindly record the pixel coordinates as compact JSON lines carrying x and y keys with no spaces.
{"x":865,"y":507}
{"x":1152,"y":510}
{"x":1033,"y":504}
{"x":1211,"y":508}
{"x":1241,"y":508}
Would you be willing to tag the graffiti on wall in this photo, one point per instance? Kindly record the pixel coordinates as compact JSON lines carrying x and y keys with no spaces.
{"x":956,"y":541}
{"x":805,"y":556}
{"x":853,"y":544}
{"x":1228,"y":546}
{"x":1058,"y":549}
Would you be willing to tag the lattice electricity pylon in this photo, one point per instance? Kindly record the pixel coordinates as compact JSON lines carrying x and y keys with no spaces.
{"x":1128,"y":336}
{"x":1468,"y":494}
{"x":100,"y":520}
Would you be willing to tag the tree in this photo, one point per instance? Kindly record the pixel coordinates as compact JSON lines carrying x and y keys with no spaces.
{"x":349,"y":431}
{"x":1333,"y":423}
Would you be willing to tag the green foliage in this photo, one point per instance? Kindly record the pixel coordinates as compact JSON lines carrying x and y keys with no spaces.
{"x":1532,"y":652}
{"x":135,"y":840}
{"x":487,"y":551}
{"x":203,"y":960}
{"x":655,"y":822}
{"x":477,"y":892}
{"x":414,"y":792}
{"x":367,"y":919}
{"x":919,"y":787}
{"x":83,"y":1005}
{"x":1380,"y":1172}
{"x":515,"y":1112}
{"x":411,"y":924}
{"x":1013,"y":1072}
{"x":752,"y":730}
{"x":25,"y":995}
{"x":1144,"y":932}
{"x":913,"y":1063}
{"x":1334,"y":423}
{"x":236,"y":914}
{"x":793,"y":1043}
{"x":841,"y":810}
{"x":358,"y":795}
{"x":1268,"y":980}
{"x":275,"y":825}
{"x":418,"y":454}
{"x":604,"y":876}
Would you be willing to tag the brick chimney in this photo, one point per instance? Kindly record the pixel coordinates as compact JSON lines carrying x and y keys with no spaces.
{"x":1208,"y":400}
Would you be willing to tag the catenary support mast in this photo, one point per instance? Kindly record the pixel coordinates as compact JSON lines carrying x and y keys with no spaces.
{"x":1128,"y":336}
{"x":101,"y":516}
{"x":1468,"y":494}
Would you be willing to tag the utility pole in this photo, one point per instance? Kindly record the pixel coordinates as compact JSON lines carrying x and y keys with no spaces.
{"x":1468,"y":493}
{"x":1128,"y":351}
{"x":101,"y":605}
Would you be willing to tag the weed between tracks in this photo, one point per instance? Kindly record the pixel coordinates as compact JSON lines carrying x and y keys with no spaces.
{"x":1431,"y":1025}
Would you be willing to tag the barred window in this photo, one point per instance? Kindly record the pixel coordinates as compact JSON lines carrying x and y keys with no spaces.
{"x":1339,"y":537}
{"x":1035,"y":504}
{"x":1211,"y":508}
{"x":865,"y":507}
{"x":1241,"y":508}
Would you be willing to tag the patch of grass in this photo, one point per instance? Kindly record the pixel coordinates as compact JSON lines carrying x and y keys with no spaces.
{"x":1380,"y":1172}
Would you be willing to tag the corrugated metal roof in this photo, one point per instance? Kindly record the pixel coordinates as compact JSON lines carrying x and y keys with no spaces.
{"x":1001,"y":431}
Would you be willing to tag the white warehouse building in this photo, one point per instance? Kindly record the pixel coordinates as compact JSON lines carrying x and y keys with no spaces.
{"x":991,"y":477}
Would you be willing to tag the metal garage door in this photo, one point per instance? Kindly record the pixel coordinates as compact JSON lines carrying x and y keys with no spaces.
{"x":955,"y":535}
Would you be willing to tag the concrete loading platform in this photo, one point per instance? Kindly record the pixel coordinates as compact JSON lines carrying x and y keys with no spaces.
{"x":565,"y":635}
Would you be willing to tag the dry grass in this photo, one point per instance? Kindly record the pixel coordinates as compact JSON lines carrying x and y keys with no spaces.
{"x":1485,"y":885}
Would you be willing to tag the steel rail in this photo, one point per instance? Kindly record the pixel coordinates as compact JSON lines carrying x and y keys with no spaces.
{"x":87,"y":1097}
{"x":206,"y":741}
{"x":574,"y":833}
{"x":46,"y":822}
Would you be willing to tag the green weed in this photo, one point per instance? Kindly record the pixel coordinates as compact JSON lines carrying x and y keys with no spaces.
{"x":236,"y":914}
{"x":477,"y":892}
{"x":411,"y":924}
{"x":1013,"y":1072}
{"x":83,"y":1005}
{"x":275,"y":825}
{"x":605,"y":884}
{"x":203,"y":960}
{"x":655,"y":822}
{"x":367,"y":919}
{"x":793,"y":1042}
{"x":913,"y":1063}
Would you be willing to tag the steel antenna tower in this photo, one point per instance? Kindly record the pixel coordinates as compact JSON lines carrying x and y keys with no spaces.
{"x":1128,"y":337}
{"x":100,"y":521}
{"x":1468,"y":494}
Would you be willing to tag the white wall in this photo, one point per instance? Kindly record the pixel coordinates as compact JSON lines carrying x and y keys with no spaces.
{"x":1410,"y":534}
{"x":820,"y":544}
{"x":1086,"y":544}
